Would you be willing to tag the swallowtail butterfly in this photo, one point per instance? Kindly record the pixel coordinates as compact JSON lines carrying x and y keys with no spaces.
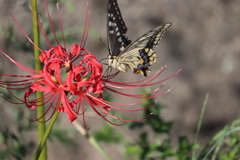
{"x":122,"y":53}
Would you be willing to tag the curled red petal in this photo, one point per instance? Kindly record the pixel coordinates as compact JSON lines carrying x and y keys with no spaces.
{"x":26,"y":96}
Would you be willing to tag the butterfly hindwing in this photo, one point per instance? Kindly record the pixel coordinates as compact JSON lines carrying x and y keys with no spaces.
{"x":116,"y":29}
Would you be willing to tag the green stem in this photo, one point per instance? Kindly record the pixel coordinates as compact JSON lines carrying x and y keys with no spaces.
{"x":200,"y":124}
{"x":40,"y":109}
{"x":45,"y":136}
{"x":91,"y":140}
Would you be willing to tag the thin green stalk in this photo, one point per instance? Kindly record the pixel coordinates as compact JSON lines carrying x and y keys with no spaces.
{"x":91,"y":140}
{"x":40,"y":109}
{"x":220,"y":139}
{"x":209,"y":147}
{"x":200,"y":124}
{"x":45,"y":136}
{"x":214,"y":156}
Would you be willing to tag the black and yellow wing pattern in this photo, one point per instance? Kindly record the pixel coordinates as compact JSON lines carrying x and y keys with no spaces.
{"x":122,"y":53}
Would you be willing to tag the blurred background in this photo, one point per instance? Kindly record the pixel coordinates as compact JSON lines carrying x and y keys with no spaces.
{"x":204,"y":38}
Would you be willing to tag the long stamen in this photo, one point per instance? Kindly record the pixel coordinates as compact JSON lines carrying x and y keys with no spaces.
{"x":85,"y":34}
{"x":41,"y":28}
{"x":61,"y":26}
{"x":29,"y":39}
{"x":126,"y":110}
{"x":31,"y":71}
{"x":50,"y":21}
{"x":86,"y":28}
{"x":44,"y":32}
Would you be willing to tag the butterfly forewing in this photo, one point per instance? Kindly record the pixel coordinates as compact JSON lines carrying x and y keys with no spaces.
{"x":150,"y":39}
{"x":116,"y":29}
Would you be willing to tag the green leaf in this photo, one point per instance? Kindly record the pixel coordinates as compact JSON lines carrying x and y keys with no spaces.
{"x":65,"y":138}
{"x":132,"y":150}
{"x":108,"y":134}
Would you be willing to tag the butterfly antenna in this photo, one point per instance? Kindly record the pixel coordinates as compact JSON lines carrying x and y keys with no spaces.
{"x":102,"y":60}
{"x":107,"y":73}
{"x":103,"y":44}
{"x":122,"y":78}
{"x":106,"y":69}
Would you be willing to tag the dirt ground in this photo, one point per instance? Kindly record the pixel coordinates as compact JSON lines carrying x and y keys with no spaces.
{"x":204,"y":38}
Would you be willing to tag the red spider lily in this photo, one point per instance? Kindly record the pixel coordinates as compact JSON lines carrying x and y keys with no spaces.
{"x":84,"y":81}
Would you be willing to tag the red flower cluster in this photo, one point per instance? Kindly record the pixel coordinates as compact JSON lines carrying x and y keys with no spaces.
{"x":84,"y":81}
{"x":83,"y":78}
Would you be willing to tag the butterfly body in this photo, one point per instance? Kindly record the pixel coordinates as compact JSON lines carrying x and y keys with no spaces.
{"x":136,"y":62}
{"x":122,"y":53}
